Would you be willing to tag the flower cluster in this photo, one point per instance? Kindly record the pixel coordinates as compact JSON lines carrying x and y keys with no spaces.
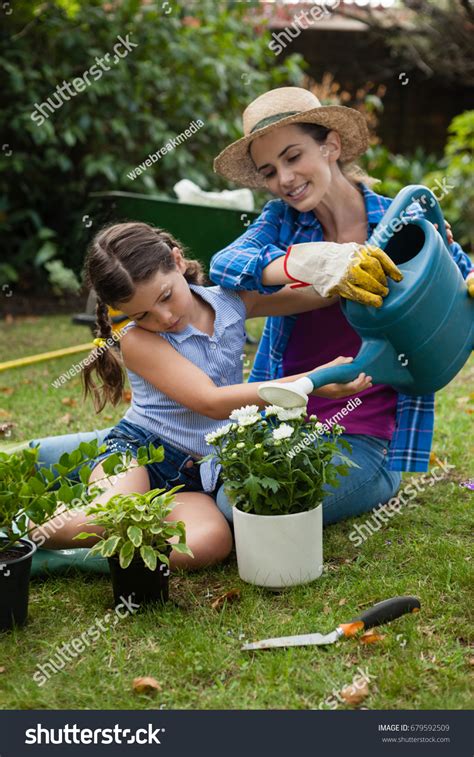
{"x":255,"y":450}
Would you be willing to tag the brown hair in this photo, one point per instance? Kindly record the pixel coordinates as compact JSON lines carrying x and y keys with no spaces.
{"x":351,"y":170}
{"x":120,"y":257}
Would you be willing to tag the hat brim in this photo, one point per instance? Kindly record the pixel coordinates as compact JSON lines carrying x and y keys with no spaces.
{"x":235,"y":163}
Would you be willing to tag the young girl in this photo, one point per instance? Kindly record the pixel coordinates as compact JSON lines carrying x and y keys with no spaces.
{"x":183,"y":354}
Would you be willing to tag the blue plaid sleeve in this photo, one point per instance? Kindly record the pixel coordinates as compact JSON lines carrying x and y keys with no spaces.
{"x":241,"y":263}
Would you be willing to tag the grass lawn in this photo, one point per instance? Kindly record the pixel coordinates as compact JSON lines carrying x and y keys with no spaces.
{"x":193,"y":650}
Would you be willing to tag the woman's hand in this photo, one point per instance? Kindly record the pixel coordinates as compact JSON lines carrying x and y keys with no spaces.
{"x":449,"y":232}
{"x":335,"y":391}
{"x":357,"y":272}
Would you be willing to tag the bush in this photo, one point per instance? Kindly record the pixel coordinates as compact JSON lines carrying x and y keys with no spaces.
{"x":185,"y":67}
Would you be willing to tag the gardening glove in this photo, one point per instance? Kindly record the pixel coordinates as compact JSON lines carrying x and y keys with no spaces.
{"x":351,"y":270}
{"x":470,"y":284}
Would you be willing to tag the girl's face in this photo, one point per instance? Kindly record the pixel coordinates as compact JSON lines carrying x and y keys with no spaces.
{"x":295,"y":167}
{"x":164,"y":302}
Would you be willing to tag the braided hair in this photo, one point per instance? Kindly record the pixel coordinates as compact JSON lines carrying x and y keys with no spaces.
{"x":120,"y":257}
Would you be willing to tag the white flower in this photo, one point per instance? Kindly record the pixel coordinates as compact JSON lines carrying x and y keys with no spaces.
{"x":283,"y":432}
{"x":271,"y":410}
{"x":258,"y":446}
{"x":313,"y":417}
{"x":286,"y":413}
{"x":243,"y":412}
{"x":338,"y":430}
{"x":215,"y":435}
{"x":319,"y":428}
{"x":249,"y":420}
{"x":240,"y":445}
{"x":265,"y":454}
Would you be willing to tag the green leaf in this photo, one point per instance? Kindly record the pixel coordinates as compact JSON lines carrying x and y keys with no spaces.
{"x":126,"y":554}
{"x":135,"y":535}
{"x":110,"y":545}
{"x":84,"y":474}
{"x":148,"y":556}
{"x":183,"y":548}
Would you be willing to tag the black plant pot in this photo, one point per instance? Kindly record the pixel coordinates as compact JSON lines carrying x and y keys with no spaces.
{"x":142,"y":585}
{"x":15,"y":567}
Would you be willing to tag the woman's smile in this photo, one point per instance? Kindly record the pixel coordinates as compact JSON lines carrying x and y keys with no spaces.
{"x":299,"y":192}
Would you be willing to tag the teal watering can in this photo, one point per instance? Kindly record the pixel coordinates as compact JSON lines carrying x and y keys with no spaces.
{"x":424,"y":332}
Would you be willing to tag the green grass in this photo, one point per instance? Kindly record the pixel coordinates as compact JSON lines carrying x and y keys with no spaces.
{"x":193,"y":650}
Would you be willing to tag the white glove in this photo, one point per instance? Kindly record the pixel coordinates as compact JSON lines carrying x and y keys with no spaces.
{"x":351,"y":270}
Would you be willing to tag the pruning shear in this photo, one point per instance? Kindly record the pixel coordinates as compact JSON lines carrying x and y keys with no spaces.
{"x":382,"y":612}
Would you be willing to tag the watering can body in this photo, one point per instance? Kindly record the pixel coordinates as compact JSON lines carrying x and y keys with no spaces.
{"x":424,"y":332}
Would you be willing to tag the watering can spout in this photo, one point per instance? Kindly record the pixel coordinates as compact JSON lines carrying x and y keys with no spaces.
{"x":375,"y":356}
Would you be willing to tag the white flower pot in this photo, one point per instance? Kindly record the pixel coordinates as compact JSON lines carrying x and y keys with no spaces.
{"x":279,"y":550}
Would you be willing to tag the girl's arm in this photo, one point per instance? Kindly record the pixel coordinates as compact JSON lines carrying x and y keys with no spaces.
{"x":153,"y":358}
{"x":285,"y":302}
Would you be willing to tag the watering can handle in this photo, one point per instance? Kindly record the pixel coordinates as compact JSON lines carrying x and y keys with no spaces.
{"x":408,"y":195}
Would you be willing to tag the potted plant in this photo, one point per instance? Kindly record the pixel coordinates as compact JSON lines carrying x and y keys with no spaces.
{"x":136,"y":542}
{"x":29,"y":493}
{"x":274,"y":466}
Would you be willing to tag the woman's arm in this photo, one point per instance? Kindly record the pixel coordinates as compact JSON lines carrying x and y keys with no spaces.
{"x":239,"y":266}
{"x":153,"y":358}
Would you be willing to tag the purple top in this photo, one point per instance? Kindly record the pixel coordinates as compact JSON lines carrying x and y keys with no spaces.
{"x":320,"y":336}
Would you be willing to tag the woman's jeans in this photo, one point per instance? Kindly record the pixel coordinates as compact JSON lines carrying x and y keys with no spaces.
{"x":362,"y":490}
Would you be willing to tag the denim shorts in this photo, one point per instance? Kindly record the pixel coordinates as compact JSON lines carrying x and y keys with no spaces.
{"x":177,"y":467}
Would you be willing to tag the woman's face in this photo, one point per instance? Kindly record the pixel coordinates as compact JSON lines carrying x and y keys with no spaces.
{"x":295,"y":167}
{"x":164,"y":302}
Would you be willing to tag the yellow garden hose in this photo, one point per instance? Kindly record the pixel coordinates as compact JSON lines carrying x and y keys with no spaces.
{"x":45,"y":356}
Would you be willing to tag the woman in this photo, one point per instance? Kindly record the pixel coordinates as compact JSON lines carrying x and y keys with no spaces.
{"x":301,"y":152}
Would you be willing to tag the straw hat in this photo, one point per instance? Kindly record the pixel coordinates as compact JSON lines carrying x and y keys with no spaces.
{"x":280,"y":107}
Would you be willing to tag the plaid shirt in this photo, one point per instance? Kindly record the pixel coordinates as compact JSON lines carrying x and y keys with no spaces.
{"x":240,"y":266}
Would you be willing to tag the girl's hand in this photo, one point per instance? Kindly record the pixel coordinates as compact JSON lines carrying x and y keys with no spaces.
{"x":335,"y":391}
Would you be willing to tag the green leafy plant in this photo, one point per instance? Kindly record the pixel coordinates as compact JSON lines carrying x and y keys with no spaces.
{"x":278,"y":464}
{"x":186,"y":66}
{"x":135,"y":525}
{"x":31,"y":493}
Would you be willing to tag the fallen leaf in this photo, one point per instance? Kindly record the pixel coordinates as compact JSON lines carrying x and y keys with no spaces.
{"x":462,"y":401}
{"x":69,"y":401}
{"x":6,"y":428}
{"x":470,"y":662}
{"x":126,"y":395}
{"x":2,"y":670}
{"x":469,"y":411}
{"x":146,"y":685}
{"x":342,"y":602}
{"x":107,"y":417}
{"x":4,"y":413}
{"x":371,"y":637}
{"x":7,"y":390}
{"x":326,"y":609}
{"x":354,"y":694}
{"x":66,"y":419}
{"x":434,"y":458}
{"x":229,"y":596}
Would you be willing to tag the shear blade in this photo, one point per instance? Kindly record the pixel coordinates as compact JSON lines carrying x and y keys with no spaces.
{"x":314,"y":639}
